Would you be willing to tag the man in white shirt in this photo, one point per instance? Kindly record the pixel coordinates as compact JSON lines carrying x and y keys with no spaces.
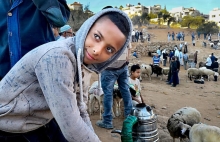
{"x":208,"y":62}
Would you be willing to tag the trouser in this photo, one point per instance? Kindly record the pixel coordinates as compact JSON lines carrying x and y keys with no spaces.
{"x":185,"y":65}
{"x":174,"y":78}
{"x":108,"y":79}
{"x":47,"y":133}
{"x":164,"y":62}
{"x":209,"y":67}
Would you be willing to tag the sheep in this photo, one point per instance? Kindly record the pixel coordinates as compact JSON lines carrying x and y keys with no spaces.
{"x":204,"y":133}
{"x":208,"y":72}
{"x":156,"y":69}
{"x":165,"y":71}
{"x":95,"y":95}
{"x":145,"y":70}
{"x":192,"y":72}
{"x":201,"y":64}
{"x":182,"y":120}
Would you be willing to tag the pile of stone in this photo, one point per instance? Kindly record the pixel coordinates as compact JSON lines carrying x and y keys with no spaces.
{"x":145,"y":49}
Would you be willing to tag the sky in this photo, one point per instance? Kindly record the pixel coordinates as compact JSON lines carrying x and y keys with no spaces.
{"x":204,"y":6}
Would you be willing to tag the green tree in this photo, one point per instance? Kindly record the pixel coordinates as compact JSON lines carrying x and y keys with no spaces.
{"x":121,"y":7}
{"x":145,"y":18}
{"x":136,"y":20}
{"x":188,"y":21}
{"x":86,"y":7}
{"x":152,"y":15}
{"x":210,"y":27}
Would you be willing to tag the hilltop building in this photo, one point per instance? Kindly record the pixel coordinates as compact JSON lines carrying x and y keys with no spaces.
{"x":75,"y":6}
{"x":154,"y":9}
{"x":214,"y":15}
{"x":135,"y":9}
{"x":180,"y":12}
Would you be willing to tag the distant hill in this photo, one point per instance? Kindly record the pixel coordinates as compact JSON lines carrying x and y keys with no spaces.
{"x":77,"y":17}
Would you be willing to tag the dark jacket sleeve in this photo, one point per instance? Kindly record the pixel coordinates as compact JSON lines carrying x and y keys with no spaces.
{"x":56,"y":11}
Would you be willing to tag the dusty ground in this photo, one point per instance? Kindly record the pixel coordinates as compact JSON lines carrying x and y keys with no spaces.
{"x":166,"y":99}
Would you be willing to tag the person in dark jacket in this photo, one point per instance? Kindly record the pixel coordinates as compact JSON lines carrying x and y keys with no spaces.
{"x":178,"y":68}
{"x":215,"y":65}
{"x":174,"y":71}
{"x":26,"y":24}
{"x":213,"y":57}
{"x":165,"y":58}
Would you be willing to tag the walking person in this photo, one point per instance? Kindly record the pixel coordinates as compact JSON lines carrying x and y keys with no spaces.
{"x":173,"y":36}
{"x":141,"y":36}
{"x":185,"y":60}
{"x":164,"y":57}
{"x":173,"y":73}
{"x":195,"y":58}
{"x":133,"y":36}
{"x":181,"y":58}
{"x":137,"y":35}
{"x":168,"y":36}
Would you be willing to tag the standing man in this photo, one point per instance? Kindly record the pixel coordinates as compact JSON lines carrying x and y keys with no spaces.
{"x":65,"y":32}
{"x":185,"y":60}
{"x":26,"y":24}
{"x":174,"y":71}
{"x":195,"y":57}
{"x":156,"y":60}
{"x":137,"y":35}
{"x":158,"y":52}
{"x":168,"y":36}
{"x":133,"y":36}
{"x":118,"y":71}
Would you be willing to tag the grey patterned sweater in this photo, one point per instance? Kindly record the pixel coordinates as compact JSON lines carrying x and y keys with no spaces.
{"x":41,"y":86}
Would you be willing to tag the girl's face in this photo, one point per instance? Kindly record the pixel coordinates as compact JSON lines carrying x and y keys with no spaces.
{"x":136,"y":74}
{"x":103,"y":41}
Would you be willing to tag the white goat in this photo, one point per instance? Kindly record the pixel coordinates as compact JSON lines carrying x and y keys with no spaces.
{"x":165,"y":71}
{"x":145,"y":70}
{"x":94,"y":95}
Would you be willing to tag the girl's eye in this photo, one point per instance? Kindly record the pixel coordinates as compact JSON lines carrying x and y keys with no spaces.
{"x":110,"y":50}
{"x":97,"y":37}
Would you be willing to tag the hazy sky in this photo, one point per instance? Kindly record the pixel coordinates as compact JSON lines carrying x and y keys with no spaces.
{"x":203,"y":6}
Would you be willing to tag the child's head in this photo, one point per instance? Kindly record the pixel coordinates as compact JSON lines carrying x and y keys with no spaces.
{"x":135,"y":71}
{"x":104,"y":37}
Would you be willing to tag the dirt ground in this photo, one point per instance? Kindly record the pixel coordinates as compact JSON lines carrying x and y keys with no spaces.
{"x":166,"y":100}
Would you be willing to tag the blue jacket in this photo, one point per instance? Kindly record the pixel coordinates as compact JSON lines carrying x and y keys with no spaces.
{"x":26,"y":24}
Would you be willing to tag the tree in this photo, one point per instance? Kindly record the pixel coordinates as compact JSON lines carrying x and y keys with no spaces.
{"x":136,"y":20}
{"x":210,"y":27}
{"x":86,"y":7}
{"x":187,"y":21}
{"x":139,"y":3}
{"x":121,"y":7}
{"x":145,"y":18}
{"x":152,"y":15}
